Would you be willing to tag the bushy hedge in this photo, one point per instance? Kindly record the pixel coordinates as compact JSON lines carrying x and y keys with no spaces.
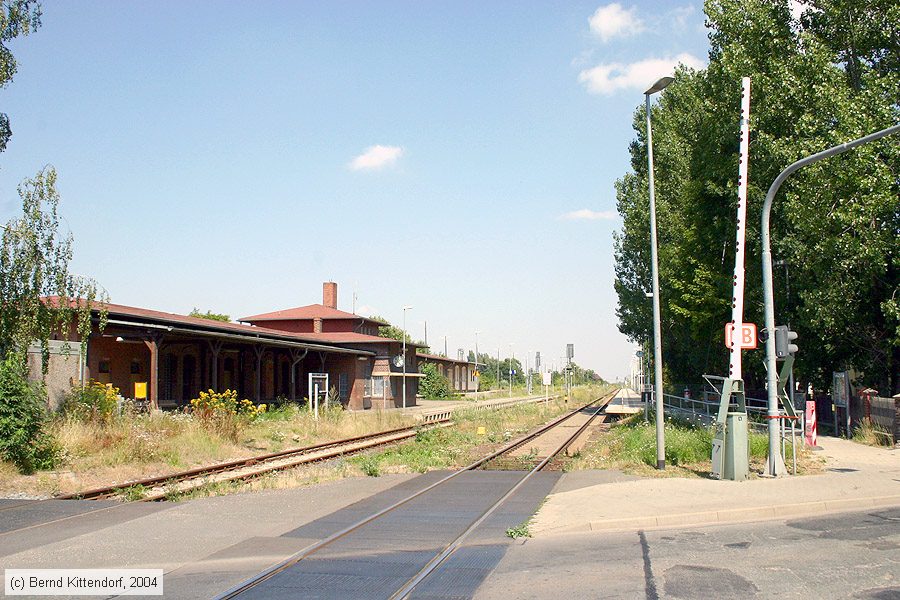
{"x":433,"y":385}
{"x":23,"y":420}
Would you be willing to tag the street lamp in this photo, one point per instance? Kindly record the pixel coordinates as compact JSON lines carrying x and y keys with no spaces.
{"x":657,"y":335}
{"x":405,"y":308}
{"x":510,"y":369}
{"x":478,"y":378}
{"x":776,"y":466}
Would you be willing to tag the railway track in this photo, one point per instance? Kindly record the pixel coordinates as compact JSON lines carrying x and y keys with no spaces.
{"x":165,"y":486}
{"x":365,"y":532}
{"x":162,"y":487}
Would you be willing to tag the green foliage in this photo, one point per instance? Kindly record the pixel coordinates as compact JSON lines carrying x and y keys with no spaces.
{"x":520,"y":531}
{"x":134,"y":493}
{"x":209,"y":315}
{"x":40,"y":297}
{"x":390,"y":331}
{"x":434,"y":385}
{"x":95,"y":402}
{"x":370,"y":465}
{"x":223,"y":413}
{"x":17,"y":17}
{"x":827,"y":79}
{"x":23,"y":420}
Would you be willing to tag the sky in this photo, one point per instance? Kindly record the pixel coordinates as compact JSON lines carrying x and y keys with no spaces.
{"x":456,"y":157}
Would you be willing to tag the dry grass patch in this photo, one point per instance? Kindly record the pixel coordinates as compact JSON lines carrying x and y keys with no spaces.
{"x":130,"y":447}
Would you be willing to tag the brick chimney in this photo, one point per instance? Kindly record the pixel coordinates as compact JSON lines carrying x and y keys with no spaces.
{"x":329,"y":294}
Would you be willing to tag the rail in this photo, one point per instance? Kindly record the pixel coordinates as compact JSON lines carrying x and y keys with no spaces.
{"x":439,"y":558}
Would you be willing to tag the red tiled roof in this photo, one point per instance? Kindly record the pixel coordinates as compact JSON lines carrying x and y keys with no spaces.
{"x":312,"y":311}
{"x":119,"y":310}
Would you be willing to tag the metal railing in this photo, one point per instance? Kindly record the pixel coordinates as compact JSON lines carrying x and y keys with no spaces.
{"x":706,"y":412}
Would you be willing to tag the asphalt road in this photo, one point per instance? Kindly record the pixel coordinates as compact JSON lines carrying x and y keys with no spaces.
{"x":850,"y":555}
{"x":207,"y":545}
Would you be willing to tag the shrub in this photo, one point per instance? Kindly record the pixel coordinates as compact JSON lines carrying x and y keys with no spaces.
{"x":94,"y":402}
{"x":23,"y":420}
{"x":433,"y":385}
{"x":224,"y":413}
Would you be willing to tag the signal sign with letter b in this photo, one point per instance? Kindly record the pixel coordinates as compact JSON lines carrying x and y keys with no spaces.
{"x":747,"y":335}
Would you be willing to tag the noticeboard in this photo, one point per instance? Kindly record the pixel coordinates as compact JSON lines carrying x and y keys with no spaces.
{"x":840,"y":388}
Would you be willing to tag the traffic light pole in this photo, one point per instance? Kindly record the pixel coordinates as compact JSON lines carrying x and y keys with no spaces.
{"x":775,"y":461}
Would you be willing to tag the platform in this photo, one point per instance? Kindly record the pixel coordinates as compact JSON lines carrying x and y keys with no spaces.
{"x":626,"y":402}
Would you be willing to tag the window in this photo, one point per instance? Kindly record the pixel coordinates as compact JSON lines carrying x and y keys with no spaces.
{"x":103,"y":367}
{"x":343,"y":386}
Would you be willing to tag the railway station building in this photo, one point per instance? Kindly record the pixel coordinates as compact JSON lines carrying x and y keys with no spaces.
{"x":288,"y":354}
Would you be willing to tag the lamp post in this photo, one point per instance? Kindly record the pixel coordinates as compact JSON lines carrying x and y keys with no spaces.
{"x":478,"y":378}
{"x":510,"y":369}
{"x":657,"y":335}
{"x":405,"y":308}
{"x":776,"y":465}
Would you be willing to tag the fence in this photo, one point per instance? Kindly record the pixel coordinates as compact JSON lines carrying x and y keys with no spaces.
{"x":885,"y":413}
{"x":706,"y":412}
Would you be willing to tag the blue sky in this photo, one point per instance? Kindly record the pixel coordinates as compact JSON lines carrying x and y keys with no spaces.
{"x":233,"y":156}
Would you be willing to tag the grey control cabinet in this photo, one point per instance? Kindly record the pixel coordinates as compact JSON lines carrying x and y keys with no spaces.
{"x":737,"y":447}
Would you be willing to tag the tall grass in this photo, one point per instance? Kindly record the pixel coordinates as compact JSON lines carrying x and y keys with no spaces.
{"x":872,"y":434}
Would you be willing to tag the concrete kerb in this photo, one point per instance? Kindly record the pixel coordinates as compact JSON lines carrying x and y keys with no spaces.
{"x":735,"y":515}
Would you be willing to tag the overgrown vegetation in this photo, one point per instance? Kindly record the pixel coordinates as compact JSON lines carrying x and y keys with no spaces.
{"x":94,"y":402}
{"x":223,"y":413}
{"x":631,"y":446}
{"x":433,"y":386}
{"x":195,"y":312}
{"x":826,"y":78}
{"x":872,"y":434}
{"x":23,"y":417}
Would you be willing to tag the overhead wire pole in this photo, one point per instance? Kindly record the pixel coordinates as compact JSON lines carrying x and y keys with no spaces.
{"x":768,"y":290}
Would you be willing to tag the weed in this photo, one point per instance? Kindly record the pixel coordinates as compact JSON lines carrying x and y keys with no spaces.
{"x":519,"y":531}
{"x":133,"y":493}
{"x":370,"y":465}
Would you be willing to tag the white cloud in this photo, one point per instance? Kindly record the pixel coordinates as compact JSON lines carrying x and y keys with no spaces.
{"x":612,"y":21}
{"x":797,"y":9}
{"x":680,"y":15}
{"x":608,"y":78}
{"x":586,"y":214}
{"x":376,"y":157}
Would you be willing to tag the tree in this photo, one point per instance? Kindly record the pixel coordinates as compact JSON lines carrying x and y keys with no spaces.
{"x":390,"y":331}
{"x":17,"y":17}
{"x":433,"y":385}
{"x":209,"y":315}
{"x":815,"y":83}
{"x":40,"y":297}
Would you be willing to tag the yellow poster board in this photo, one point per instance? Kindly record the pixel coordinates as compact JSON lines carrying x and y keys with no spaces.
{"x":140,"y":390}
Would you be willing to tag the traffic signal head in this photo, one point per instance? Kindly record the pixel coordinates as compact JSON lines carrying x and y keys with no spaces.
{"x":784,"y":338}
